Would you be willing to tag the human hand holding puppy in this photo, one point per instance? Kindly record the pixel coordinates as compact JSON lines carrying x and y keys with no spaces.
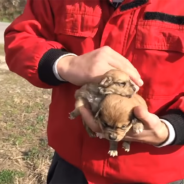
{"x":90,"y":67}
{"x":155,"y":132}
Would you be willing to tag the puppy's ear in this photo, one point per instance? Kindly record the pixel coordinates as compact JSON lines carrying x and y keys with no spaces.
{"x":106,"y":82}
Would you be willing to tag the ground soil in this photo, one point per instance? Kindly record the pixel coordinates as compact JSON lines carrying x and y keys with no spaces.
{"x":24,"y":154}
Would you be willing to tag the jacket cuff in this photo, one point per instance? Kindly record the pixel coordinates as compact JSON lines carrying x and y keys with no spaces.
{"x":171,"y":136}
{"x":56,"y":73}
{"x":176,"y":118}
{"x":45,"y":66}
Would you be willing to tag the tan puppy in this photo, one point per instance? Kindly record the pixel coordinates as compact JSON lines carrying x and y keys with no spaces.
{"x":115,"y":118}
{"x":90,"y":95}
{"x":117,"y":82}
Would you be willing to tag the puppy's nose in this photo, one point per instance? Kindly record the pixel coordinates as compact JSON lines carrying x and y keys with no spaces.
{"x":112,"y":137}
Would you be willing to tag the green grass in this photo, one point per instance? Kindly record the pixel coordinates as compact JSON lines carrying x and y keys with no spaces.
{"x":32,"y":154}
{"x":9,"y":176}
{"x":1,"y":49}
{"x":5,"y":20}
{"x":23,"y":123}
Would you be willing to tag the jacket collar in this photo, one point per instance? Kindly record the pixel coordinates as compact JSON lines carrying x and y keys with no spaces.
{"x":131,"y":4}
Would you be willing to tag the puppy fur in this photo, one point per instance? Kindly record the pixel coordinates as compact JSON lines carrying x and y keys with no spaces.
{"x":115,"y":118}
{"x":117,"y":82}
{"x":90,"y":95}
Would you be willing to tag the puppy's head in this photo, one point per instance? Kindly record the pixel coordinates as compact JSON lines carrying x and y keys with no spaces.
{"x":114,"y":118}
{"x":117,"y":82}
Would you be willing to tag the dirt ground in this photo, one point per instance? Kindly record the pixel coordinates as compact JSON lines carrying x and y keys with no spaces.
{"x":24,"y":154}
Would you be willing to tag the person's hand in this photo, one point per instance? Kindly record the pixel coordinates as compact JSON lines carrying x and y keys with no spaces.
{"x":90,"y":67}
{"x":155,"y":132}
{"x":89,"y":119}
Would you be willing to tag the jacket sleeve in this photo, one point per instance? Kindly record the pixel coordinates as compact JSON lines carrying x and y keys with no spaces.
{"x":176,"y":119}
{"x":30,"y":48}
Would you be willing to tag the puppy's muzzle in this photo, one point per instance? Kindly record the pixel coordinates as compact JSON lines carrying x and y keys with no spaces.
{"x":112,"y":137}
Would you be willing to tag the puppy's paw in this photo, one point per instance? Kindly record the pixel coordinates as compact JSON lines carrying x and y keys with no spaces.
{"x":74,"y":114}
{"x":126,"y":146}
{"x":138,"y":128}
{"x":107,"y":81}
{"x":100,"y":135}
{"x":113,"y":153}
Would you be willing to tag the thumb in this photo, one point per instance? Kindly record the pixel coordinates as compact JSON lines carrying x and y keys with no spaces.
{"x":148,"y":119}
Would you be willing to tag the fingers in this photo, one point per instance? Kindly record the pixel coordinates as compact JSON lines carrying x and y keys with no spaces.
{"x":154,"y":133}
{"x":149,"y":120}
{"x":133,"y":73}
{"x":106,"y":68}
{"x":141,"y":113}
{"x":88,"y":119}
{"x":136,"y":79}
{"x":144,"y":137}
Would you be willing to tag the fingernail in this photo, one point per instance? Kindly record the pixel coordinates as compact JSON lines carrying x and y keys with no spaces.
{"x":140,"y":82}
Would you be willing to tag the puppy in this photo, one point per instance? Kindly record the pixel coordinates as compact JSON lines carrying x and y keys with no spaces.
{"x":92,"y":94}
{"x":115,"y":118}
{"x":89,"y":97}
{"x":117,"y":82}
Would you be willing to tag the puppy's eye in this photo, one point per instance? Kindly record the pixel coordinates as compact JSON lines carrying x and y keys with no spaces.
{"x":123,"y":84}
{"x":124,"y":127}
{"x":106,"y":125}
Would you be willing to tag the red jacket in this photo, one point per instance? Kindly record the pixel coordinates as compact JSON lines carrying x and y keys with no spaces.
{"x":149,"y":33}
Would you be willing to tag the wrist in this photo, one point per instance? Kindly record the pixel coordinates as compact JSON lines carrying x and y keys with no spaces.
{"x":163,"y":134}
{"x":171,"y":136}
{"x":63,"y":65}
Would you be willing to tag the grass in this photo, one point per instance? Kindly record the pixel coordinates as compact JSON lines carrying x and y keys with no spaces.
{"x":1,"y":49}
{"x":9,"y":176}
{"x":24,"y":154}
{"x":5,"y":20}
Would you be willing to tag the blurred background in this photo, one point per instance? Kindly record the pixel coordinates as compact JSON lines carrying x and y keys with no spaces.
{"x":24,"y":153}
{"x":10,"y":9}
